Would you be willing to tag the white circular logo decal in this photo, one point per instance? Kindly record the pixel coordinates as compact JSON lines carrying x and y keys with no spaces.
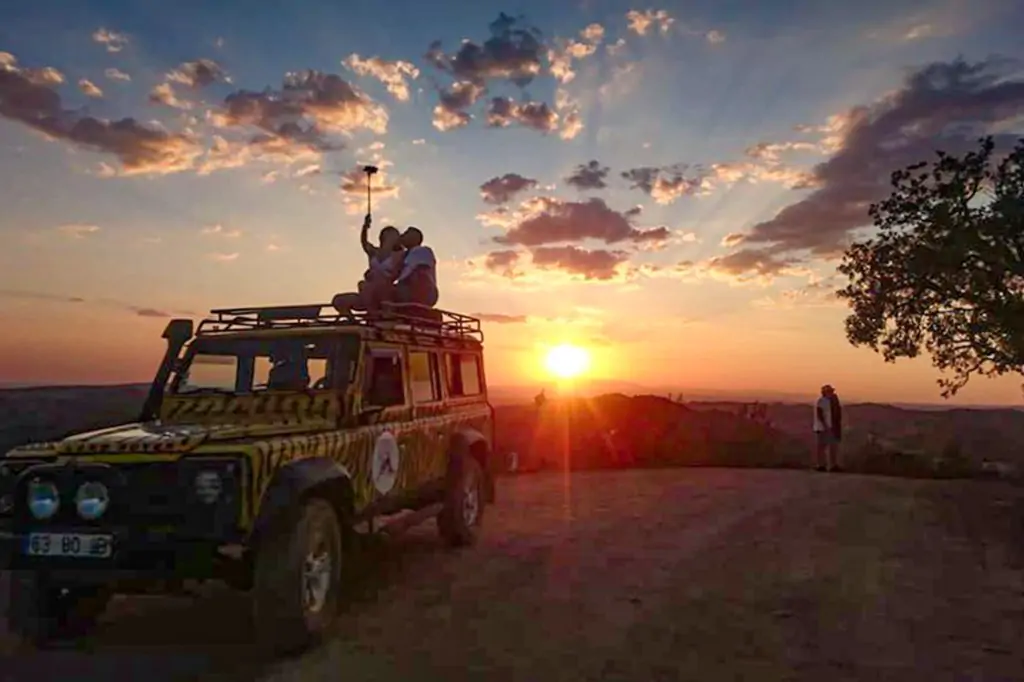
{"x":385,"y":464}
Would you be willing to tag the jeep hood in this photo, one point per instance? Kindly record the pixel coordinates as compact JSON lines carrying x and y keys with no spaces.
{"x":146,"y":437}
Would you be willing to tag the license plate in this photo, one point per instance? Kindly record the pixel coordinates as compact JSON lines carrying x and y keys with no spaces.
{"x":69,"y":545}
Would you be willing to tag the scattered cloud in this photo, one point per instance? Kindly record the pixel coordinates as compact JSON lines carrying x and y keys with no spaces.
{"x":164,"y":94}
{"x":224,"y":257}
{"x":565,"y":52}
{"x":394,"y":75}
{"x":590,"y":175}
{"x":39,"y":296}
{"x":450,"y":113}
{"x":150,"y":312}
{"x":419,"y":141}
{"x":502,"y":112}
{"x":944,"y":105}
{"x":664,"y":184}
{"x":715,"y":37}
{"x":198,"y":74}
{"x":116,"y":75}
{"x":500,"y":318}
{"x":641,"y":22}
{"x":545,"y":220}
{"x":501,"y":190}
{"x":219,"y":231}
{"x":112,"y":40}
{"x":77,"y":230}
{"x":89,"y":89}
{"x":599,"y":264}
{"x":31,"y":99}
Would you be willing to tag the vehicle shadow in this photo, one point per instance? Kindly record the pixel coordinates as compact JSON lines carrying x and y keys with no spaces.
{"x":165,"y":639}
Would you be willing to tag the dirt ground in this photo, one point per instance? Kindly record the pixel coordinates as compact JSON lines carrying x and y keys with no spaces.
{"x":682,"y":574}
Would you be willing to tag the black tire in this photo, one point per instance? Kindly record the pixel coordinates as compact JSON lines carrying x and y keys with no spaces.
{"x":463,"y":513}
{"x":41,"y":611}
{"x":287,"y":616}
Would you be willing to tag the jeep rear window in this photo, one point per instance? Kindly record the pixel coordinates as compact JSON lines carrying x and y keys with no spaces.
{"x":246,"y":365}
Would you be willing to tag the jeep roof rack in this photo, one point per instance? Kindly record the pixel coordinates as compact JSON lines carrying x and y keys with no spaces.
{"x":408,"y":317}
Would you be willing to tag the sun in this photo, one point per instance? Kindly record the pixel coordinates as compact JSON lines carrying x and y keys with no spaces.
{"x":567,"y":361}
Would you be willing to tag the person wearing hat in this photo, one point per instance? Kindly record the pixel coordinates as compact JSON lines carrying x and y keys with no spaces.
{"x":828,"y":429}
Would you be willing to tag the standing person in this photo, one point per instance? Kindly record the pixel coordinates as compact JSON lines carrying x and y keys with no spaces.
{"x":824,"y":435}
{"x":836,"y":422}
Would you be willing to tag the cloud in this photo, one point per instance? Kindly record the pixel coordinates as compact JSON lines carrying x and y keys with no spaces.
{"x":664,"y":184}
{"x":944,"y":105}
{"x":308,"y":105}
{"x":89,"y":89}
{"x":500,"y":318}
{"x":112,"y":40}
{"x":715,"y":37}
{"x":150,"y":312}
{"x":450,"y":113}
{"x":549,"y":221}
{"x":561,"y":56}
{"x":501,"y":190}
{"x":590,"y":175}
{"x":198,"y":74}
{"x":224,"y":257}
{"x":78,"y":231}
{"x":219,"y":231}
{"x":141,"y":150}
{"x":503,"y":262}
{"x":419,"y":141}
{"x":640,"y":22}
{"x":512,"y":53}
{"x":502,"y":112}
{"x":515,"y":53}
{"x":116,"y":75}
{"x":40,"y":296}
{"x":164,"y":94}
{"x":598,"y":264}
{"x":392,"y":74}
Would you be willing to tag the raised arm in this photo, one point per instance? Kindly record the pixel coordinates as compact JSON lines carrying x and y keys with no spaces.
{"x":368,"y":248}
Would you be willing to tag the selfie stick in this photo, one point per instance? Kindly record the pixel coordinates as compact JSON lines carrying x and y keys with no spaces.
{"x":369,"y":170}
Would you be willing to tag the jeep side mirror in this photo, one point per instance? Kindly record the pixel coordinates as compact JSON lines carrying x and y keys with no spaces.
{"x":368,"y":413}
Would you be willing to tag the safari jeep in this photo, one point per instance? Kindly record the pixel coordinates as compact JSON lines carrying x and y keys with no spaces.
{"x":270,"y":441}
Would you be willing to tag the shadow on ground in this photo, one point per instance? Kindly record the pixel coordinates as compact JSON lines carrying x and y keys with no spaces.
{"x":164,"y":639}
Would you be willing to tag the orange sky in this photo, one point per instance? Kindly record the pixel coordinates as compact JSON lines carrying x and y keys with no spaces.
{"x":668,"y":187}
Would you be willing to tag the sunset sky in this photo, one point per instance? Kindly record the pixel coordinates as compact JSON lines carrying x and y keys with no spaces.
{"x":666,"y":185}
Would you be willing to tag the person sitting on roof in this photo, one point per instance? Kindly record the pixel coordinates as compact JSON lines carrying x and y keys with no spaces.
{"x":385,"y":262}
{"x":417,"y":281}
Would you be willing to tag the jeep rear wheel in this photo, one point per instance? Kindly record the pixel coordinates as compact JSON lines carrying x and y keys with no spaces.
{"x":459,"y":522}
{"x":297,"y":579}
{"x":41,"y":610}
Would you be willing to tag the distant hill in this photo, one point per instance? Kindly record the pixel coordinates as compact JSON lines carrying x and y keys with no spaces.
{"x":621,"y":430}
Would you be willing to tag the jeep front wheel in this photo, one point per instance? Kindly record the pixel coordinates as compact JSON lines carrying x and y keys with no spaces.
{"x":297,"y":578}
{"x":463,"y":512}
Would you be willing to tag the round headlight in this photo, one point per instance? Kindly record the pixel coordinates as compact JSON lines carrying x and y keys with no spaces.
{"x":208,"y":486}
{"x":43,"y":498}
{"x":92,"y":500}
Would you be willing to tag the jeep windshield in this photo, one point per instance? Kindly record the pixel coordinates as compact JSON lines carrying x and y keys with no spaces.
{"x":239,"y":364}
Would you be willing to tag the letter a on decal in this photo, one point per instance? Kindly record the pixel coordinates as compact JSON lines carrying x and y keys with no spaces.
{"x":386,"y":460}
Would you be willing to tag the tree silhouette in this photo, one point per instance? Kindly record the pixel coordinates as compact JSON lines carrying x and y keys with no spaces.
{"x":945,"y":273}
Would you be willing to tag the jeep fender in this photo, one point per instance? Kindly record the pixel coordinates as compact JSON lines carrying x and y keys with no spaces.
{"x":468,"y":442}
{"x":294,"y":482}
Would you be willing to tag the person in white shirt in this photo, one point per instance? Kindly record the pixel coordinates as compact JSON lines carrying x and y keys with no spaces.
{"x":826,"y":430}
{"x":417,"y":282}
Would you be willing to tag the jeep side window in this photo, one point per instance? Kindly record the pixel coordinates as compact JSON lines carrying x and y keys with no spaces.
{"x":463,"y":373}
{"x":385,"y":383}
{"x":424,"y":376}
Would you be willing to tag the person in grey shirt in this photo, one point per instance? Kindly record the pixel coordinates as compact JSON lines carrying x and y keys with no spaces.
{"x":417,"y":281}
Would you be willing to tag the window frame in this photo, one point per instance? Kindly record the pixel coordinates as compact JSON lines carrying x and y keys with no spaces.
{"x":457,"y":355}
{"x":436,"y":377}
{"x":384,"y":350}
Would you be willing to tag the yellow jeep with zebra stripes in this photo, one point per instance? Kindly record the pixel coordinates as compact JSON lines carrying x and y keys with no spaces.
{"x":270,"y":441}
